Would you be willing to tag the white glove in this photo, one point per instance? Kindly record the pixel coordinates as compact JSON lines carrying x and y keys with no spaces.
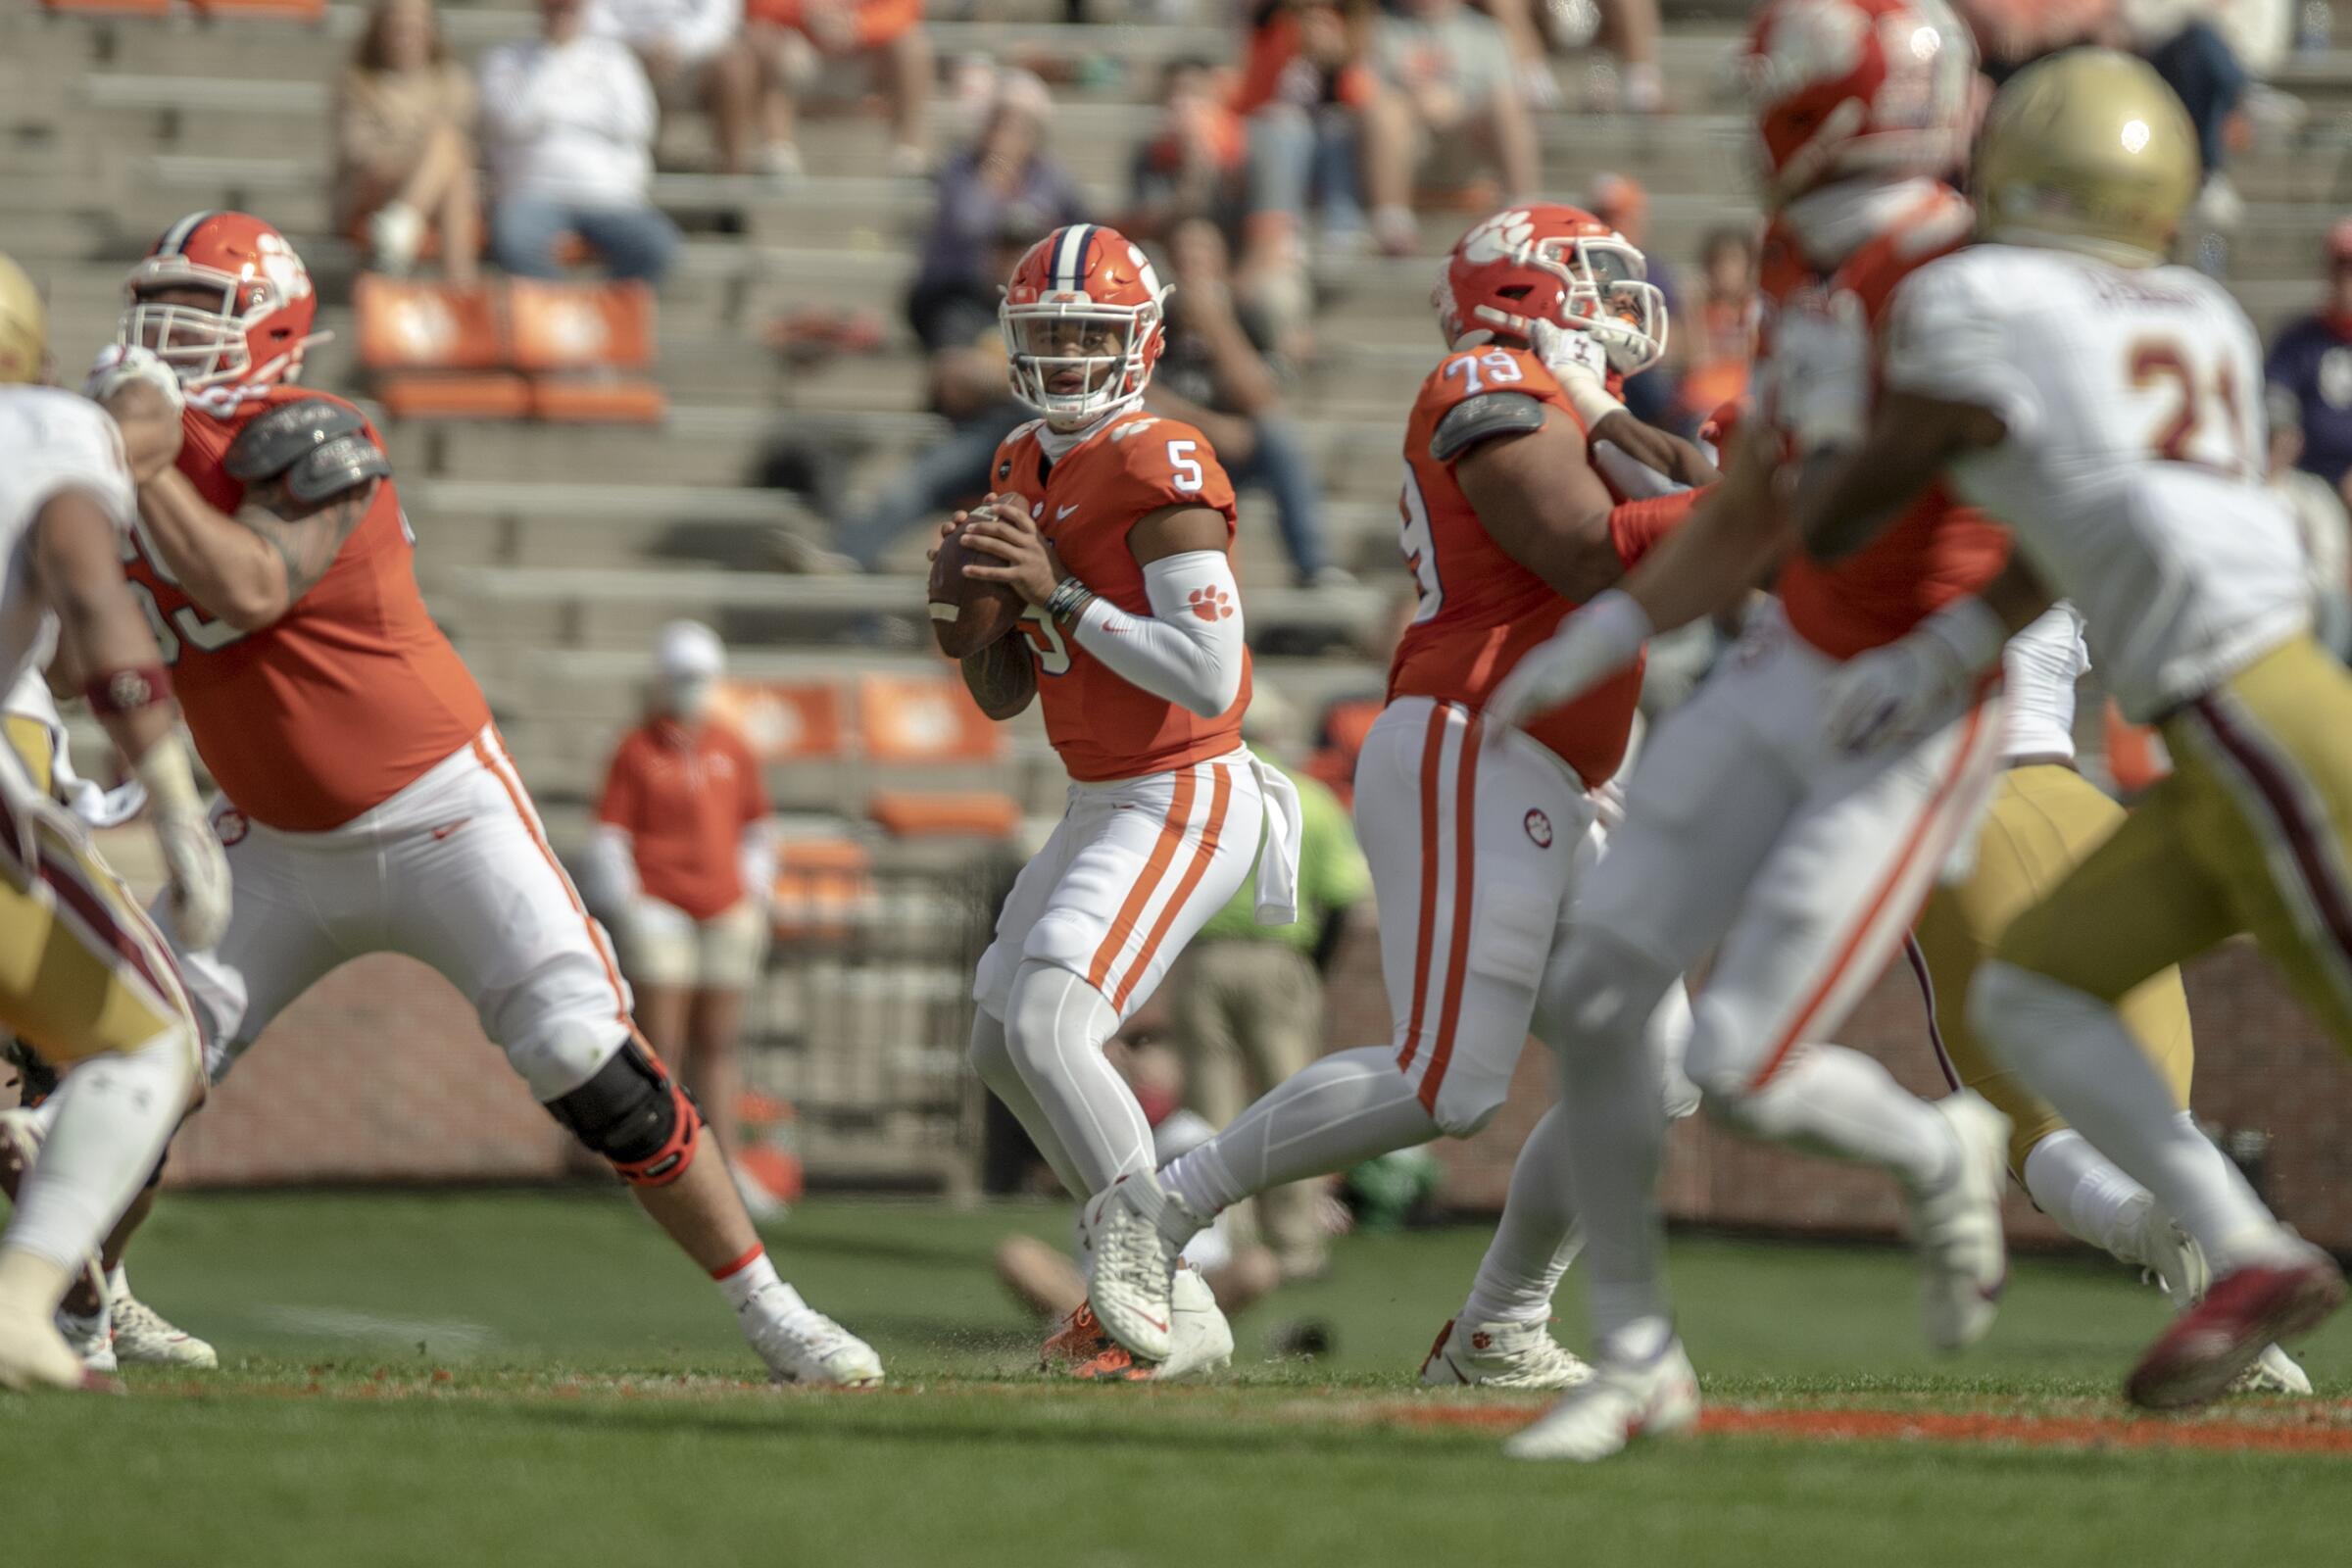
{"x":1894,"y":695}
{"x":1580,"y":363}
{"x":120,"y":363}
{"x":1597,"y":641}
{"x":192,"y":853}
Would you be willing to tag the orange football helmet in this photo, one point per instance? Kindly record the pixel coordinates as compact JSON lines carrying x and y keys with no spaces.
{"x":256,"y":336}
{"x":1083,"y":324}
{"x":1844,"y":87}
{"x":1549,"y":263}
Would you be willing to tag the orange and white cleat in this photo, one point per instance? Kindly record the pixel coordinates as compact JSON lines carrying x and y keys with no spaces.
{"x":1499,"y":1355}
{"x":2246,"y":1310}
{"x":1080,"y":1349}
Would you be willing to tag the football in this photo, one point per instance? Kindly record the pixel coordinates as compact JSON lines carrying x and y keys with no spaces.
{"x":968,"y":613}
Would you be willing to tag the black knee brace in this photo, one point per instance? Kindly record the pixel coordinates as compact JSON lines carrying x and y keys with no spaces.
{"x":633,"y":1113}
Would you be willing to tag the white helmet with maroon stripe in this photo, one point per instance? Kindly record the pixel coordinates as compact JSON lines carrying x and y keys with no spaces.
{"x":255,"y":336}
{"x":1082,"y":324}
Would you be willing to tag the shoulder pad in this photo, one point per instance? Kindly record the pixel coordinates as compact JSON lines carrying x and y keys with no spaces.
{"x":1481,"y":418}
{"x":334,"y":466}
{"x":273,"y":442}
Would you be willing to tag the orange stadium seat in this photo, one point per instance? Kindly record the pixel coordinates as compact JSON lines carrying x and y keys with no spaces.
{"x":924,"y":720}
{"x":785,"y":722}
{"x":574,"y":338}
{"x":435,"y":350}
{"x":820,"y":884}
{"x":927,"y":721}
{"x":290,"y":10}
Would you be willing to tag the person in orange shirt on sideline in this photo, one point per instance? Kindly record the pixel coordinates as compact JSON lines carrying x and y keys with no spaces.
{"x":681,"y":863}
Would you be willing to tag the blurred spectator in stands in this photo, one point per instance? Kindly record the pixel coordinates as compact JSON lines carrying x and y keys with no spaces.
{"x":1305,"y":84}
{"x":1245,"y":1000}
{"x":996,"y":200}
{"x":1631,"y":29}
{"x":680,"y":863}
{"x":1447,"y":78}
{"x":1217,"y":375}
{"x":404,"y":143}
{"x":1719,"y":334}
{"x":2011,"y":34}
{"x":2320,"y":525}
{"x":2187,"y":42}
{"x":1192,"y":165}
{"x":693,"y":52}
{"x":569,"y":120}
{"x":1005,"y":183}
{"x":1538,"y":87}
{"x":1652,"y":397}
{"x":2310,"y":362}
{"x":800,"y":40}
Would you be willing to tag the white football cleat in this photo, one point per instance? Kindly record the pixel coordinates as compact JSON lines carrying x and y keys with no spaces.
{"x":1201,"y":1340}
{"x":2274,"y":1372}
{"x":801,"y":1344}
{"x":144,"y":1337}
{"x":1962,"y":1253}
{"x":1617,"y":1403}
{"x":90,"y":1338}
{"x":1136,"y":1233}
{"x":1500,"y":1355}
{"x":35,"y":1355}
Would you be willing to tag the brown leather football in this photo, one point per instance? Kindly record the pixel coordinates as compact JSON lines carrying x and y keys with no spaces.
{"x":968,"y":613}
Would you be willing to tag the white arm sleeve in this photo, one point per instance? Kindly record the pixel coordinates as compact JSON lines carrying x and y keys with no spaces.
{"x":608,"y":870}
{"x":1189,"y":648}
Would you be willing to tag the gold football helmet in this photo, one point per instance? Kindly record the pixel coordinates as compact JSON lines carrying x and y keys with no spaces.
{"x":24,"y":326}
{"x":2087,"y":151}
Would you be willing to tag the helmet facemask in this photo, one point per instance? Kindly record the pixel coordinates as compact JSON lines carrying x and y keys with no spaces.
{"x":206,"y":346}
{"x":1604,"y":290}
{"x":1075,"y":361}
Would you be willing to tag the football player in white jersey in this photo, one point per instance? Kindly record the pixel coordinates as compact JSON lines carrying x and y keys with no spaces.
{"x":2106,"y":407}
{"x":84,"y":977}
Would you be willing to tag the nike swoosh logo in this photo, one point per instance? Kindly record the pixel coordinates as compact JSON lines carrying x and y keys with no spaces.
{"x":446,"y":828}
{"x":1061,"y":513}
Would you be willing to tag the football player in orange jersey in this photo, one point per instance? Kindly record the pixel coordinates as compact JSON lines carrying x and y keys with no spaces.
{"x":368,"y":802}
{"x":1116,"y":526}
{"x":1509,"y":518}
{"x":1749,"y":830}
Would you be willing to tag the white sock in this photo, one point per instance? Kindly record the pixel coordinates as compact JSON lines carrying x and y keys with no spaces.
{"x":1839,"y":1102}
{"x":1536,"y":1239}
{"x":117,"y":1283}
{"x":114,"y":1115}
{"x":2081,"y":1189}
{"x":1054,"y":1027}
{"x":1599,"y":998}
{"x":1346,"y":1108}
{"x":2074,"y":1051}
{"x":746,"y":1280}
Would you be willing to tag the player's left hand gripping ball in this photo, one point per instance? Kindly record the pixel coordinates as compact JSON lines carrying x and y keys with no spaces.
{"x":1007,"y":531}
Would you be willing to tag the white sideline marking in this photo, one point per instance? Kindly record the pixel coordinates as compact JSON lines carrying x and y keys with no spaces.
{"x":342,"y":1323}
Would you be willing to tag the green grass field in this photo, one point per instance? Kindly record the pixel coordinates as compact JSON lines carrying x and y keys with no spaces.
{"x":533,"y":1379}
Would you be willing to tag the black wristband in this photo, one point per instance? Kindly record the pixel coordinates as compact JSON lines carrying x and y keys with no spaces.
{"x":1068,"y":600}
